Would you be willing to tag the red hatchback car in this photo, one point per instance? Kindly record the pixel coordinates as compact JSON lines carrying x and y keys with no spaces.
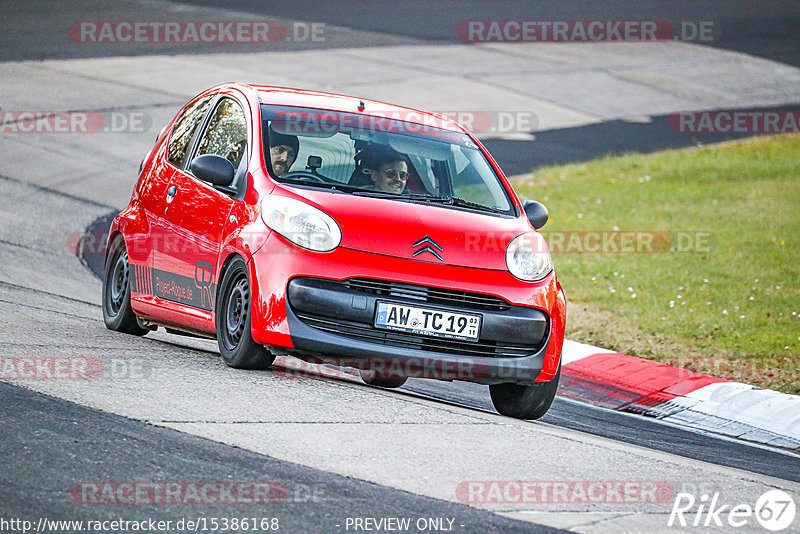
{"x":343,"y":230}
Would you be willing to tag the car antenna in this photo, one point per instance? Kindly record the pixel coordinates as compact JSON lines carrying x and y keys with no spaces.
{"x":361,"y":105}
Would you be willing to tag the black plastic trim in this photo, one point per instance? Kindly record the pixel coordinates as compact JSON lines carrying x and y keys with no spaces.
{"x":328,"y":319}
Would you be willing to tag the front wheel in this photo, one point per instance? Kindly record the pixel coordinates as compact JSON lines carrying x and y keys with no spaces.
{"x":117,"y":312}
{"x":524,"y":402}
{"x":234,"y":312}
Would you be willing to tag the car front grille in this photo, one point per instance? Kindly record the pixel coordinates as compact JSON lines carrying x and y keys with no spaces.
{"x":431,"y":295}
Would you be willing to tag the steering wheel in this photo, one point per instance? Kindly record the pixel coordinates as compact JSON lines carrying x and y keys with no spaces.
{"x":303,"y":174}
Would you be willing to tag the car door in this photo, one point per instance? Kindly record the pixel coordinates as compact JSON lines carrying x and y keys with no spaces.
{"x":151,"y":192}
{"x":193,"y":221}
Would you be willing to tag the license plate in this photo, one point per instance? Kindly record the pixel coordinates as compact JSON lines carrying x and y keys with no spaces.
{"x":427,"y":321}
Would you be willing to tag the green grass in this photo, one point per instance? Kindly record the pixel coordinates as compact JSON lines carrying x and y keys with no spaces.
{"x":735,"y":298}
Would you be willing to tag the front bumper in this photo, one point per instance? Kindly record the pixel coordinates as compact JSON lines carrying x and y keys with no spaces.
{"x":328,"y":317}
{"x":306,"y":304}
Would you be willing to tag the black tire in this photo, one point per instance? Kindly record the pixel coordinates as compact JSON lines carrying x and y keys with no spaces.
{"x":233,"y":312}
{"x":524,"y":402}
{"x":117,"y":312}
{"x":374,"y":379}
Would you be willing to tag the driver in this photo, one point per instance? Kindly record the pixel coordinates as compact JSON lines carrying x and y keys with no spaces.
{"x":388,"y":170}
{"x":282,"y":151}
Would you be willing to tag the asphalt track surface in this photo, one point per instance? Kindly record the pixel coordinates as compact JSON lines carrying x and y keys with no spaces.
{"x":60,"y":443}
{"x":764,"y":29}
{"x":49,"y":443}
{"x":767,"y":30}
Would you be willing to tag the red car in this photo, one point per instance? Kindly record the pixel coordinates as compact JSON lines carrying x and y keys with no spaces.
{"x":344,"y":230}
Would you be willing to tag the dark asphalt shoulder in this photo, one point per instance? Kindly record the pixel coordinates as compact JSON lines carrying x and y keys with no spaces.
{"x":49,"y":445}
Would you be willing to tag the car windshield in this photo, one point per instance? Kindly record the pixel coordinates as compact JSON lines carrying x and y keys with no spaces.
{"x":382,"y":157}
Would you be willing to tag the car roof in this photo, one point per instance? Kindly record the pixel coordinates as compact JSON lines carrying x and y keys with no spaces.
{"x":286,"y":96}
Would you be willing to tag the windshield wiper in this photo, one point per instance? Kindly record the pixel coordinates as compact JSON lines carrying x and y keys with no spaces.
{"x":449,"y":201}
{"x":417,"y":197}
{"x":380,"y":194}
{"x":460,"y":202}
{"x":315,"y":183}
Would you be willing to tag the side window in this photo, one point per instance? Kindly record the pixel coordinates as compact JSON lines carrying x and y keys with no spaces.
{"x":184,"y":130}
{"x":226,"y":134}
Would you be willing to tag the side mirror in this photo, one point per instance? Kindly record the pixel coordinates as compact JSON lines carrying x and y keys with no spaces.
{"x":213,"y":169}
{"x":536,"y":212}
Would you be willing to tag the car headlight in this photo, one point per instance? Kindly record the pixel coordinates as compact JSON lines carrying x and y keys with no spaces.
{"x":528,"y":258}
{"x":300,"y":223}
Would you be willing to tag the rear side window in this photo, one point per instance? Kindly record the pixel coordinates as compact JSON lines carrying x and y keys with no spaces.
{"x":185,"y":128}
{"x":226,"y":134}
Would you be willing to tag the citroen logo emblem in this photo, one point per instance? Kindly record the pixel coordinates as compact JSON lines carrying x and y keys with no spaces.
{"x":430,"y":246}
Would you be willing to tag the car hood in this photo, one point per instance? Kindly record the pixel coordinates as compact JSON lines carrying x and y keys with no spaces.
{"x":419,"y":232}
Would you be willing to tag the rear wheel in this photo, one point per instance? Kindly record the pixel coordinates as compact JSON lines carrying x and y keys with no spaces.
{"x":117,"y":312}
{"x":374,"y":379}
{"x":524,"y":402}
{"x":234,"y":313}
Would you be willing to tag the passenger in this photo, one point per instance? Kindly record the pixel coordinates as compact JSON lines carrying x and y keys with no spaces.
{"x":388,"y":170}
{"x":282,"y":151}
